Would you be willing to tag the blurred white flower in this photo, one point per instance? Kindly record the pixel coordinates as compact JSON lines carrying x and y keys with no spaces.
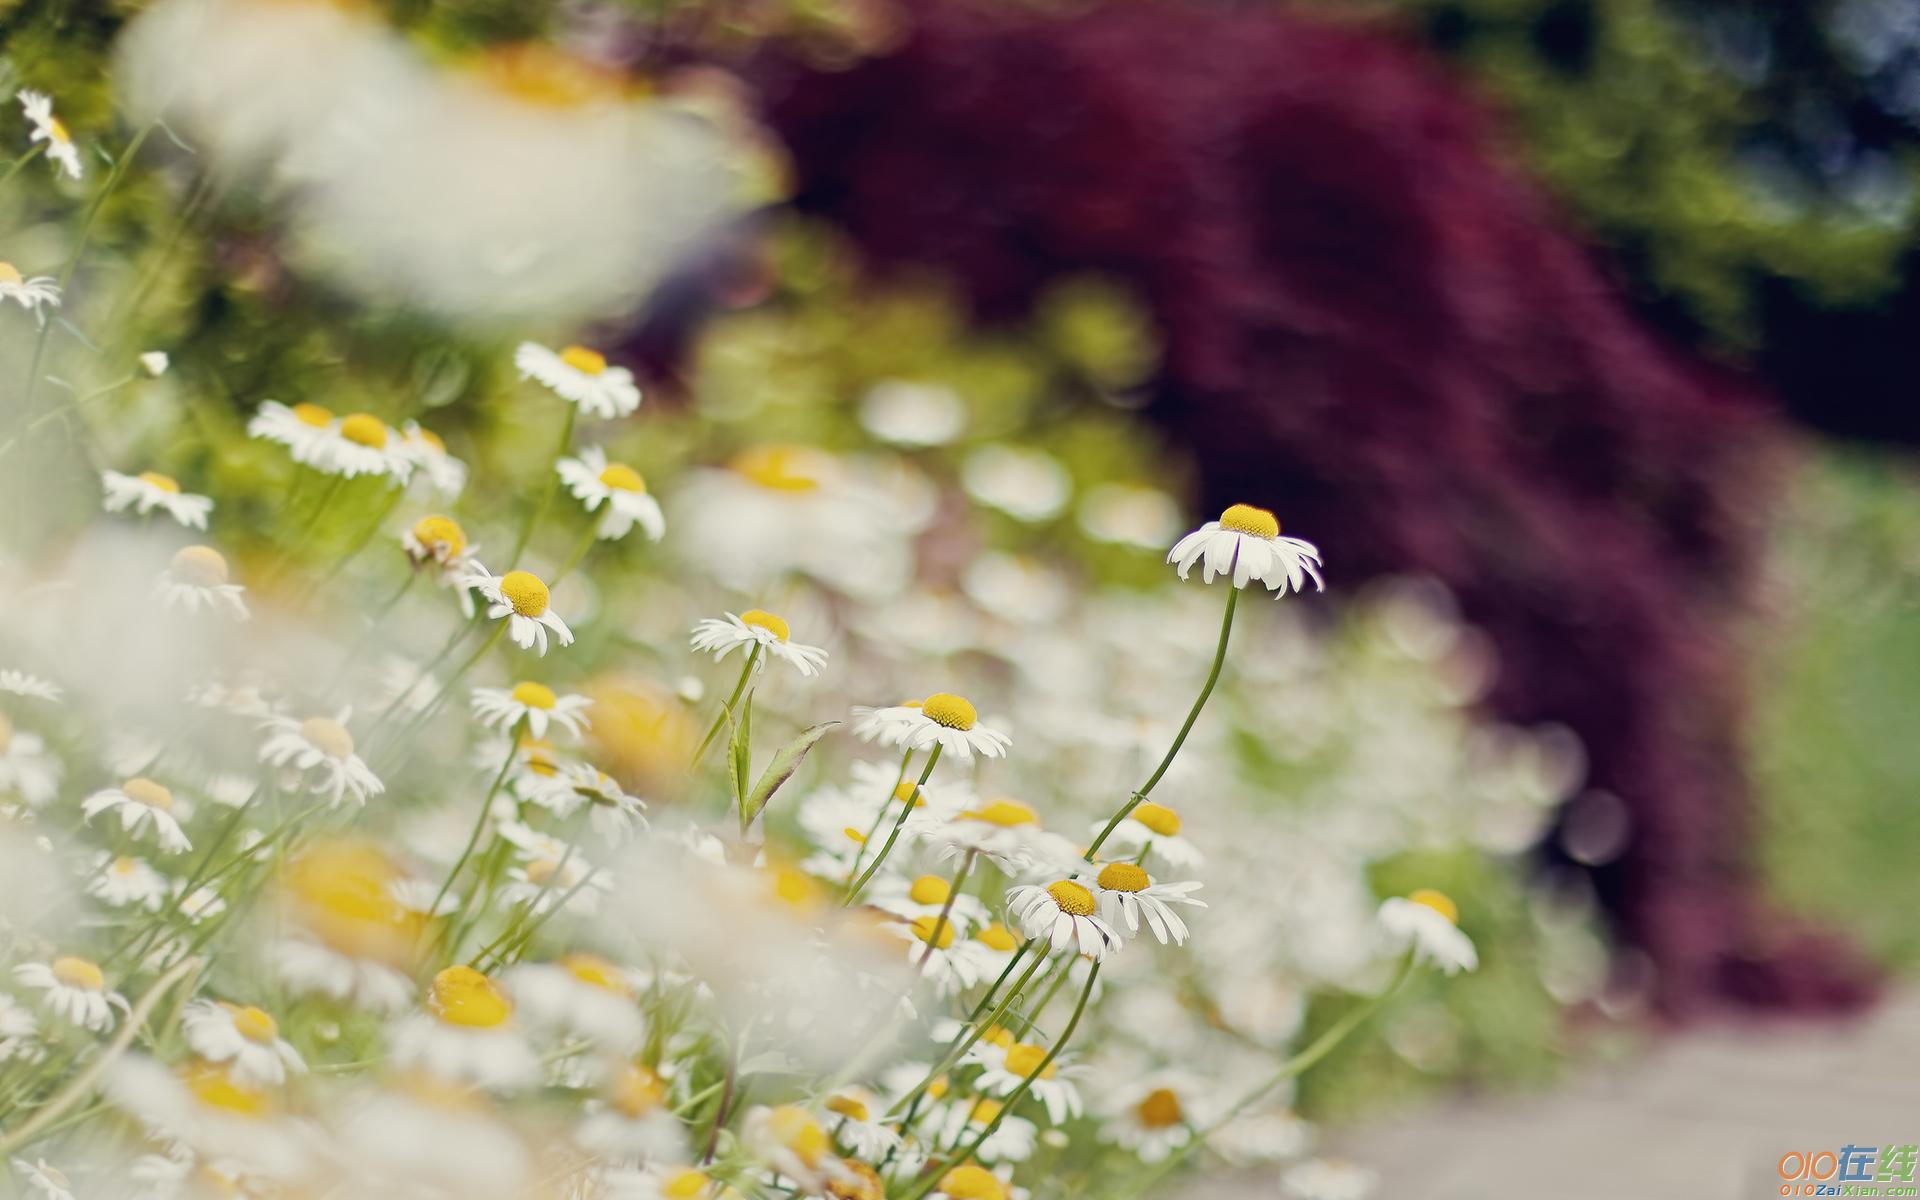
{"x":1428,"y":923}
{"x":150,"y":490}
{"x":35,"y":293}
{"x":38,"y":108}
{"x":581,"y":376}
{"x":1030,"y":485}
{"x":197,"y":579}
{"x":596,"y":482}
{"x":1145,"y":518}
{"x":913,"y":414}
{"x":142,"y":804}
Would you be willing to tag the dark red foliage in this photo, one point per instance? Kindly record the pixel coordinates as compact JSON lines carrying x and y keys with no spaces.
{"x":1373,"y":326}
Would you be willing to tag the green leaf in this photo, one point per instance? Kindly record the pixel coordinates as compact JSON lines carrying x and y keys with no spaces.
{"x":785,"y":762}
{"x":740,"y":757}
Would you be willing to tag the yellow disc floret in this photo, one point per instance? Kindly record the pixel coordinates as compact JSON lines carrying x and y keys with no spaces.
{"x":1439,"y":902}
{"x":599,"y":972}
{"x":998,"y":937}
{"x":340,"y":891}
{"x":685,"y":1184}
{"x":760,"y":618}
{"x":534,"y":695}
{"x":924,"y":929}
{"x":929,"y":889}
{"x":328,"y":736}
{"x":1123,"y":877}
{"x":1159,"y":1109}
{"x":79,"y":973}
{"x":793,"y":1128}
{"x":1158,"y":817}
{"x":463,"y":996}
{"x":254,"y":1024}
{"x":1025,"y":1059}
{"x":202,"y":566}
{"x":526,"y":593}
{"x":149,"y":793}
{"x":10,"y":273}
{"x":636,"y":1091}
{"x":1254,"y":522}
{"x":851,"y":1107}
{"x":1006,"y":813}
{"x":780,"y":468}
{"x":364,"y":429}
{"x":1071,"y":898}
{"x":165,"y":483}
{"x":953,"y":711}
{"x":440,"y":535}
{"x":315,"y":415}
{"x":623,"y":478}
{"x":968,"y":1182}
{"x":583,"y":360}
{"x":214,"y":1087}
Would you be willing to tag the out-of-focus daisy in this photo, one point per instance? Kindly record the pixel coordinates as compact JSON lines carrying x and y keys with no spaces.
{"x":630,"y":1120}
{"x":761,"y":630}
{"x":613,"y":813}
{"x":1000,"y":943}
{"x":925,"y":896}
{"x":542,"y":882}
{"x":965,"y":1120}
{"x":321,"y":747}
{"x":303,"y":429}
{"x":76,"y":990}
{"x":890,"y":725}
{"x":952,"y":960}
{"x":1005,"y":1068}
{"x":1428,"y":922}
{"x":1270,"y":1135}
{"x":467,"y":1034}
{"x":580,"y":994}
{"x":664,"y":1181}
{"x":352,"y":938}
{"x":582,"y":376}
{"x":858,"y":1123}
{"x":595,"y":482}
{"x":246,"y":1037}
{"x":150,"y":490}
{"x":44,"y":1179}
{"x":791,"y":1142}
{"x":1154,"y":828}
{"x":1029,"y":485}
{"x":447,"y":474}
{"x":198,"y":578}
{"x":1065,"y":915}
{"x":17,"y":1029}
{"x":1017,"y":589}
{"x":361,"y":444}
{"x":952,"y":723}
{"x":38,"y":107}
{"x":523,"y":599}
{"x":27,"y":769}
{"x":234,"y":1125}
{"x":437,"y":539}
{"x":1004,"y":831}
{"x":500,"y":709}
{"x":122,"y":881}
{"x":1126,"y":895}
{"x":1245,"y":543}
{"x":913,"y":414}
{"x":1328,"y":1179}
{"x":142,"y":804}
{"x":35,"y":293}
{"x":1129,"y":515}
{"x":22,"y":683}
{"x":154,"y":363}
{"x":970,"y":1181}
{"x":1154,"y":1116}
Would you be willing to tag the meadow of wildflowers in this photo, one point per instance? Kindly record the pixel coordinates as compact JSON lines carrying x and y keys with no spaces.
{"x":849,"y":778}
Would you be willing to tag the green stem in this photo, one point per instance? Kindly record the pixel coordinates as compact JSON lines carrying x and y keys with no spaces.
{"x":1193,"y":714}
{"x":20,"y":163}
{"x":853,"y":893}
{"x":860,"y":851}
{"x":720,"y":718}
{"x":964,"y":1040}
{"x":553,"y":484}
{"x":480,"y":823}
{"x":579,"y":552}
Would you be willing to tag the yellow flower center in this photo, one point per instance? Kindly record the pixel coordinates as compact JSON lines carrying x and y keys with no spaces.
{"x":636,"y":1091}
{"x":165,"y":483}
{"x":1123,"y":877}
{"x":795,"y":888}
{"x":534,"y":695}
{"x":998,"y":936}
{"x":1159,"y":1109}
{"x":1159,"y":818}
{"x":365,"y":429}
{"x":760,"y":618}
{"x":10,"y":273}
{"x":125,"y":866}
{"x":1071,"y":898}
{"x":341,"y":890}
{"x":329,"y":736}
{"x":315,"y":415}
{"x":622,"y":477}
{"x":929,"y":889}
{"x":969,"y":1182}
{"x":79,"y":973}
{"x":1439,"y":902}
{"x":202,"y":566}
{"x":909,"y":792}
{"x":442,"y":535}
{"x":146,"y":791}
{"x":583,"y":360}
{"x":780,"y":468}
{"x":463,"y":996}
{"x":937,"y":1090}
{"x":851,"y":1107}
{"x":798,"y":1132}
{"x":215,"y":1088}
{"x":1007,"y":813}
{"x":525,"y":591}
{"x":923,"y":928}
{"x":684,"y":1185}
{"x":594,"y":970}
{"x":952,"y":711}
{"x":997,"y":1036}
{"x":255,"y":1024}
{"x":1024,"y":1059}
{"x":541,"y":871}
{"x":434,"y":441}
{"x":1254,"y":522}
{"x":984,"y":1111}
{"x":59,"y":131}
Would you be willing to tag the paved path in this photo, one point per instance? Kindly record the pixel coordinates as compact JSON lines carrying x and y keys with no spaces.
{"x":1703,"y":1115}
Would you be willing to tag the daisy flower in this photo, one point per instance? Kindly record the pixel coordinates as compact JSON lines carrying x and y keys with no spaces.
{"x":925,"y":896}
{"x":440,"y":540}
{"x":150,"y":490}
{"x":22,"y":683}
{"x":1427,"y":922}
{"x":952,"y":724}
{"x":1063,"y":914}
{"x":861,"y":1128}
{"x":197,"y":578}
{"x":890,"y":725}
{"x":447,"y":474}
{"x":352,"y":938}
{"x":1328,"y":1179}
{"x":630,"y":1120}
{"x":999,"y":943}
{"x":963,"y":1121}
{"x":580,"y":994}
{"x":663,"y":1181}
{"x":35,"y":293}
{"x":321,"y":746}
{"x":970,"y":1182}
{"x":1005,"y":1068}
{"x":543,"y":881}
{"x":953,"y":962}
{"x":1153,"y":1117}
{"x":467,"y":1034}
{"x":76,"y":990}
{"x":1154,"y":828}
{"x":44,"y":1179}
{"x":302,"y":429}
{"x":581,"y":376}
{"x":500,"y":709}
{"x":612,"y":812}
{"x":595,"y":482}
{"x":762,"y":631}
{"x":788,"y":1140}
{"x":236,"y":1129}
{"x":1006,"y":832}
{"x":245,"y":1037}
{"x":27,"y":769}
{"x":360,"y":444}
{"x":1127,"y":894}
{"x":1028,"y":485}
{"x":1246,"y":544}
{"x":523,"y":599}
{"x":141,"y":803}
{"x":38,"y":107}
{"x":122,"y":881}
{"x":199,"y":904}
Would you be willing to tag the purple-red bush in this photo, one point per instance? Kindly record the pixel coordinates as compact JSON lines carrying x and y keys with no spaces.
{"x":1373,"y":326}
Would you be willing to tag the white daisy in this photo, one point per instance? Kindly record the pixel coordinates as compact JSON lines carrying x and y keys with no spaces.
{"x":306,"y":965}
{"x":1154,"y":828}
{"x":22,"y":683}
{"x":27,"y":769}
{"x":361,"y":444}
{"x":1428,"y":922}
{"x":323,"y":748}
{"x":953,"y":725}
{"x":17,"y":1029}
{"x":1006,"y":832}
{"x":891,"y":725}
{"x":952,"y":960}
{"x":1126,"y":894}
{"x":44,"y":1179}
{"x":467,"y":1034}
{"x":613,"y":813}
{"x":582,"y":376}
{"x":199,"y":904}
{"x":594,"y":482}
{"x":543,"y":881}
{"x":47,"y":128}
{"x":36,"y":293}
{"x":500,"y":709}
{"x":860,"y":1127}
{"x":246,"y":1037}
{"x":76,"y":990}
{"x":924,"y":896}
{"x":523,"y":599}
{"x":142,"y":803}
{"x":630,"y":1121}
{"x":1064,"y":915}
{"x":1153,"y":1116}
{"x":1328,"y":1179}
{"x":1246,"y":544}
{"x":580,"y":994}
{"x":970,"y":1181}
{"x":236,"y":1129}
{"x":1005,"y":1067}
{"x":302,"y":429}
{"x":437,"y":543}
{"x":150,"y":490}
{"x":447,"y":474}
{"x":791,"y":1142}
{"x":122,"y":881}
{"x":198,"y":578}
{"x":761,"y":630}
{"x":964,"y":1120}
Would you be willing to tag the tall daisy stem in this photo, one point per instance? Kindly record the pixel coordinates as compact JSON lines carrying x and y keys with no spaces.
{"x":860,"y":851}
{"x":19,"y":164}
{"x":964,"y":1040}
{"x":479,"y":824}
{"x":853,"y":893}
{"x":1213,"y":676}
{"x":720,"y":718}
{"x":553,"y":483}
